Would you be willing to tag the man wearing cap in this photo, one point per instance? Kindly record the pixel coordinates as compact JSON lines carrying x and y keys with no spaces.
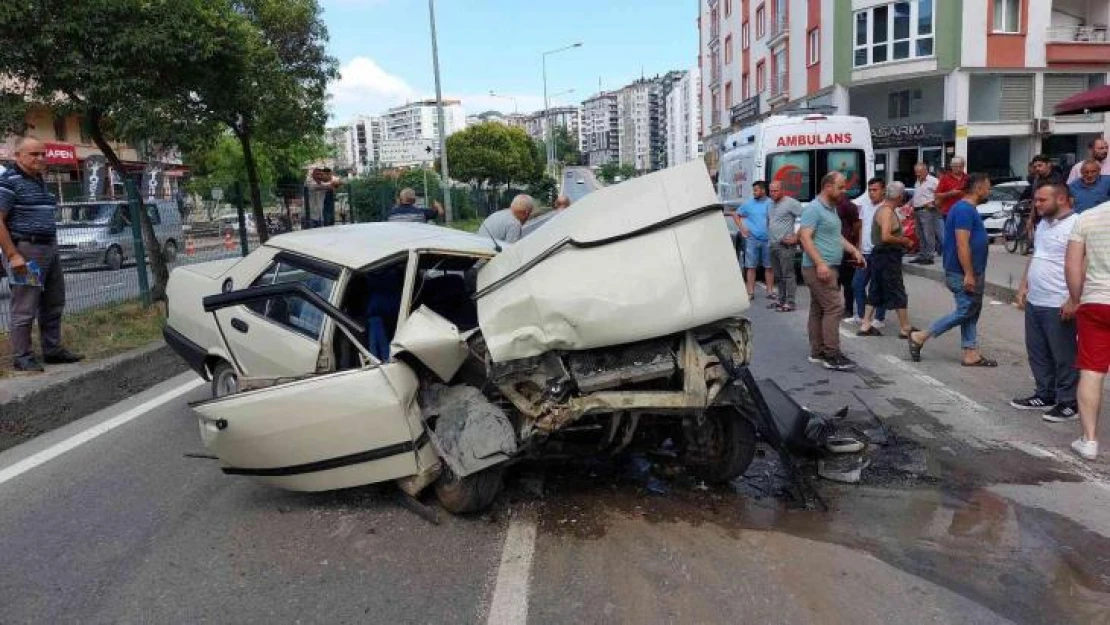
{"x":28,"y":233}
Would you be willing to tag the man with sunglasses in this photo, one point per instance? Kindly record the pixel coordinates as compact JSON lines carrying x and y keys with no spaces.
{"x":28,"y":232}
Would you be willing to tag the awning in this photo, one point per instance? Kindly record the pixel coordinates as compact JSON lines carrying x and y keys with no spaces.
{"x":1095,"y":100}
{"x":60,"y":154}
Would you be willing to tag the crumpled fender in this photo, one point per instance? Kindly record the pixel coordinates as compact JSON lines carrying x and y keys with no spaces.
{"x":471,"y":432}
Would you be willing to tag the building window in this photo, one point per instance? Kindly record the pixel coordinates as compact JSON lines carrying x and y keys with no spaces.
{"x":814,"y":47}
{"x":728,"y":49}
{"x":728,"y":8}
{"x":60,"y":127}
{"x":1007,"y":16}
{"x":745,"y":87}
{"x":898,"y":31}
{"x":760,"y":22}
{"x":905,"y":103}
{"x":760,"y":76}
{"x":745,"y":36}
{"x":728,"y":94}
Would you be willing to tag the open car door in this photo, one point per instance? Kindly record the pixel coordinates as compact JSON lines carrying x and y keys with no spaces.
{"x":322,"y":432}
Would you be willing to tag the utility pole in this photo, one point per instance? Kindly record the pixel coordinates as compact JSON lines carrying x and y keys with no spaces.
{"x":448,"y":213}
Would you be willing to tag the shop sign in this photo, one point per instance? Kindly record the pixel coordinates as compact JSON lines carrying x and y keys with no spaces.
{"x":96,"y":175}
{"x":744,"y":111}
{"x":60,"y":154}
{"x":912,"y":135}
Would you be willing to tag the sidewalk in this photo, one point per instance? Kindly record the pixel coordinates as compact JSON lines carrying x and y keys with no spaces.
{"x":1004,"y":271}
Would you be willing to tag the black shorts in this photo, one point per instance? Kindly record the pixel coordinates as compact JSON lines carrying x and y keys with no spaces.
{"x":887,"y":290}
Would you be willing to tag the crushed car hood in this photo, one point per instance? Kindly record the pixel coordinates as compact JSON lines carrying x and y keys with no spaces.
{"x":641,"y":259}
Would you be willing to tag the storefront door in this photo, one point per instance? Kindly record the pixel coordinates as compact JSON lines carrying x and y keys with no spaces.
{"x":934,"y":159}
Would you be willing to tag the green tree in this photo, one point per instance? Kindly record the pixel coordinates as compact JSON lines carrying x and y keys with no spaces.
{"x":609,"y":172}
{"x":119,"y":64}
{"x":566,"y":147}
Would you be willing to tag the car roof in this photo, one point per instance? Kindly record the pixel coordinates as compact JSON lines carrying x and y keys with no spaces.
{"x":357,"y":245}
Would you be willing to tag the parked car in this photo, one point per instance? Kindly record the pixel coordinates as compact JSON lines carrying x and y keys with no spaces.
{"x":373,"y":352}
{"x":1000,"y":205}
{"x":97,"y":234}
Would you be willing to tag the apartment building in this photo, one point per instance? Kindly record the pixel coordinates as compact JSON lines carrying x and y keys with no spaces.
{"x":640,"y":125}
{"x":569,"y":117}
{"x":683,"y":119}
{"x":72,"y":159}
{"x":410,"y":132}
{"x":601,"y":129}
{"x":978,"y":78}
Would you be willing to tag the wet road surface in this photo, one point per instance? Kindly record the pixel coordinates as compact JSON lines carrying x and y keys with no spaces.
{"x":975,"y":513}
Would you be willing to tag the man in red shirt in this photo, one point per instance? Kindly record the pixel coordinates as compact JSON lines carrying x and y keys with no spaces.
{"x":950,"y":188}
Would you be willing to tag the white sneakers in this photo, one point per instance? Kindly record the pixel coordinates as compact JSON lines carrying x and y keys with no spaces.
{"x":878,"y":324}
{"x":1088,"y":450}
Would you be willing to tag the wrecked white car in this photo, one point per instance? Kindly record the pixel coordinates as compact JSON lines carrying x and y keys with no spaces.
{"x":360,"y":354}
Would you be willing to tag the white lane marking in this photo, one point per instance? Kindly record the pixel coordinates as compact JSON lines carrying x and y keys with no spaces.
{"x":85,"y":436}
{"x":936,"y":384}
{"x":1034,"y":450}
{"x":509,"y":605}
{"x":846,"y":333}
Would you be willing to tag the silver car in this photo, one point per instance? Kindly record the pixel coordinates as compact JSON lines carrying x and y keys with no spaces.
{"x":98,"y":234}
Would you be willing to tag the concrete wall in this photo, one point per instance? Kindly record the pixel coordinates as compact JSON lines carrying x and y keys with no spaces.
{"x":872,"y":101}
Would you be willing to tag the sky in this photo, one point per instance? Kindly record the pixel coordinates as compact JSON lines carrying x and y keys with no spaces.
{"x":384,"y":50}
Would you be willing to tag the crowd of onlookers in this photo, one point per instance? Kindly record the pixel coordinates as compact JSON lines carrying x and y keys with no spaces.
{"x":852,"y":263}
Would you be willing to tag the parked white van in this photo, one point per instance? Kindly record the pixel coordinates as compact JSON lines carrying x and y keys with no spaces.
{"x":796,"y":150}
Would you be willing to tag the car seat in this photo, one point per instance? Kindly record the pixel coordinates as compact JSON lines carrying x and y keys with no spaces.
{"x":383,"y":304}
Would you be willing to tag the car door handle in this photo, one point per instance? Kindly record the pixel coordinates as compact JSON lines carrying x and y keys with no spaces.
{"x":239,"y":325}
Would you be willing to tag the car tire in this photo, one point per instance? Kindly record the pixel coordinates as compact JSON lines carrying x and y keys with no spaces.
{"x":473,"y":493}
{"x":735,"y":439}
{"x":169,"y":250}
{"x":114,"y":258}
{"x":225,"y":380}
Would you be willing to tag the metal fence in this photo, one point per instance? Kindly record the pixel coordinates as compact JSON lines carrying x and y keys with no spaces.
{"x":96,"y":242}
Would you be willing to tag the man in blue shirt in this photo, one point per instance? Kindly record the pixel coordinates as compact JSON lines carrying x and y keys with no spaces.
{"x":752,"y":220}
{"x":28,"y":233}
{"x":1091,"y":188}
{"x":407,"y":210}
{"x":965,"y":268}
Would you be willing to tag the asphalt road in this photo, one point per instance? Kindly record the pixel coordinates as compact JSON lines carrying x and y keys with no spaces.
{"x":978,"y":514}
{"x":575,"y":191}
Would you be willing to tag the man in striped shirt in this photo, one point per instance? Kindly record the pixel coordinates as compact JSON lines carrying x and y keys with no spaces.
{"x":1087,"y":271}
{"x":28,"y":232}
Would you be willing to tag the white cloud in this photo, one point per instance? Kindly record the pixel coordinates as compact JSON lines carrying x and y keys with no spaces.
{"x":366,"y":87}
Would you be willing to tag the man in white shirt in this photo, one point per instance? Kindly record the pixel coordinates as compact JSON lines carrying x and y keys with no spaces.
{"x":1050,"y":333}
{"x":868,"y":205}
{"x":930,"y":225}
{"x":1098,"y":149}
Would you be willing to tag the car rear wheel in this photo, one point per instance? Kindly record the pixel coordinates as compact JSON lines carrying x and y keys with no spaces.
{"x":114,"y":258}
{"x":225,"y":380}
{"x":169,"y":251}
{"x":731,"y":446}
{"x":473,"y":493}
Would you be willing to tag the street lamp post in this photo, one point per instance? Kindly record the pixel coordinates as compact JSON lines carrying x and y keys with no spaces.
{"x":548,"y":135}
{"x":444,"y":183}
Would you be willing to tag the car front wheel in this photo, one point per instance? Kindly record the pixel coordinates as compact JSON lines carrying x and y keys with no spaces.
{"x":114,"y":258}
{"x":729,"y":446}
{"x":473,"y":493}
{"x":225,"y":380}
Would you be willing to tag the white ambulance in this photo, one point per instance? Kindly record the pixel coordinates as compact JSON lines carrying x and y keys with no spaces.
{"x":796,"y":150}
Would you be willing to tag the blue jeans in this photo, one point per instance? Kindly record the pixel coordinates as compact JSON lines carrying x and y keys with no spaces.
{"x":859,"y":290}
{"x":966,"y":315}
{"x":757,"y":253}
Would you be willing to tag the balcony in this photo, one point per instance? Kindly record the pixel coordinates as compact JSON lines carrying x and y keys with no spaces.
{"x":1077,"y":45}
{"x":780,"y":89}
{"x":778,"y":29}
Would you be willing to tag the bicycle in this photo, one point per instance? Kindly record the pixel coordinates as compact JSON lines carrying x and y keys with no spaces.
{"x":1016,"y":228}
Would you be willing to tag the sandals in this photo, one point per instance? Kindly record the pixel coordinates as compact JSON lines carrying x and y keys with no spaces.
{"x":907,"y":334}
{"x":785,"y":308}
{"x":915,"y":348}
{"x":869,"y":332}
{"x":982,"y":362}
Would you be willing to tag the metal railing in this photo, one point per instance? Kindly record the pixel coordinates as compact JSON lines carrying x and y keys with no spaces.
{"x":780,"y":86}
{"x":779,"y":25}
{"x":1077,"y":34}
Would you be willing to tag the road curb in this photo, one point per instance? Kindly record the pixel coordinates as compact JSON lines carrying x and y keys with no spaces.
{"x":38,"y":408}
{"x":995,"y":291}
